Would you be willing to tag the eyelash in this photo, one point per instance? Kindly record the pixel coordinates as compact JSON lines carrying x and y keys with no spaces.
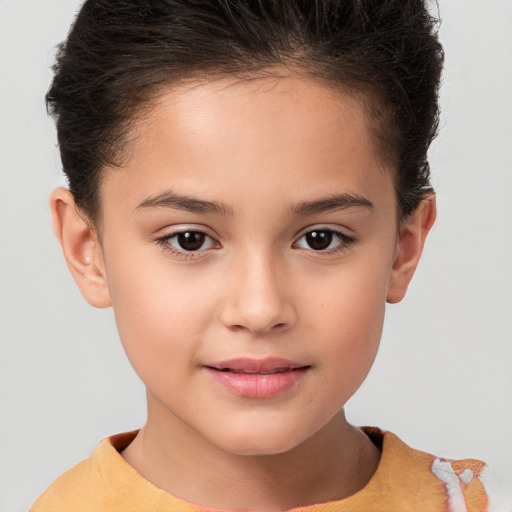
{"x":183,"y":254}
{"x":345,"y":242}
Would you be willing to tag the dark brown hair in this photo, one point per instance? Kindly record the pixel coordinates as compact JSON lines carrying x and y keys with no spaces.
{"x":120,"y":52}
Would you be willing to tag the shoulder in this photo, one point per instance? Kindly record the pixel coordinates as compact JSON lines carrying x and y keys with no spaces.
{"x":105,"y":482}
{"x":91,"y":483}
{"x":98,"y":483}
{"x":74,"y":489}
{"x":437,"y":483}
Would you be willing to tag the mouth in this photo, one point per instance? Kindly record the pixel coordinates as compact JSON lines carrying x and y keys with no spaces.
{"x":257,"y":378}
{"x":281,"y":369}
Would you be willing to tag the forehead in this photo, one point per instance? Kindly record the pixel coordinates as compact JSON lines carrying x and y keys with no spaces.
{"x":237,"y":137}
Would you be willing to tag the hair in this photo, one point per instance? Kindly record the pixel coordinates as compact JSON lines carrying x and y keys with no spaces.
{"x":120,"y":53}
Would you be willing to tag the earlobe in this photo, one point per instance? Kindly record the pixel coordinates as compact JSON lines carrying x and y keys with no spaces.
{"x":413,"y":233}
{"x":81,"y":247}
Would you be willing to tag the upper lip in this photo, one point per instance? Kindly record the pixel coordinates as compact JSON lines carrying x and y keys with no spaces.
{"x":252,"y":365}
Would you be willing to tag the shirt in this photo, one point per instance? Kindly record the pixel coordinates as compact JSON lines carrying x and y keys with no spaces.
{"x":406,"y":480}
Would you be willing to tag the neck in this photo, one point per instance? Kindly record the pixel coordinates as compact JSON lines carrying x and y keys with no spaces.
{"x":333,"y":464}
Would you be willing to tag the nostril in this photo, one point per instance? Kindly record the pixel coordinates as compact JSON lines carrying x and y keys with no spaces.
{"x":257,"y":312}
{"x":240,"y":327}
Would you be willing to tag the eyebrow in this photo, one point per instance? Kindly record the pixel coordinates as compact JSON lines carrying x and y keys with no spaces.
{"x":170,"y":199}
{"x":331,"y":203}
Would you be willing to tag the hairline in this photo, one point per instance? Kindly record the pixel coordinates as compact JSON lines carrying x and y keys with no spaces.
{"x":364,"y":94}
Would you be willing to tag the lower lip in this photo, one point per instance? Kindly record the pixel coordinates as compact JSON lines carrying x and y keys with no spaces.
{"x":256,"y":385}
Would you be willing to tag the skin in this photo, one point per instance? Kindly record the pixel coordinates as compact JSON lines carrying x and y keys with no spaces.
{"x":256,"y":288}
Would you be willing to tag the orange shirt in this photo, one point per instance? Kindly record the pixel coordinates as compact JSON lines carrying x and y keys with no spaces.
{"x":406,"y":480}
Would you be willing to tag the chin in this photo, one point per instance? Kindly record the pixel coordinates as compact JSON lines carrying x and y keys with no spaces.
{"x":261,"y":442}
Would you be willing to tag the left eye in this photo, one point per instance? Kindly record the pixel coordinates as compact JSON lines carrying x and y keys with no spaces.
{"x":190,"y":241}
{"x":321,"y":240}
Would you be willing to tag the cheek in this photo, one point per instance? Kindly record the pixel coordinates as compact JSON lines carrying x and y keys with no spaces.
{"x":160,"y":315}
{"x":353,"y":338}
{"x":348,"y":317}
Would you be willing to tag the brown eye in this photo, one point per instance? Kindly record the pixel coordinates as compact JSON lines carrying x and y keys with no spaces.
{"x":189,"y":243}
{"x":190,"y":240}
{"x":324,"y":240}
{"x":319,"y":240}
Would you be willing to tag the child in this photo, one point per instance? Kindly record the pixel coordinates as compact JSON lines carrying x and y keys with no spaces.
{"x":248,"y":187}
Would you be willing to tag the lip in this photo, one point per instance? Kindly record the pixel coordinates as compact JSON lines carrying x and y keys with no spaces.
{"x":257,"y":378}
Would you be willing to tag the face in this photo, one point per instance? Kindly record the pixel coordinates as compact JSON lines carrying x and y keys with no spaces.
{"x":248,"y":243}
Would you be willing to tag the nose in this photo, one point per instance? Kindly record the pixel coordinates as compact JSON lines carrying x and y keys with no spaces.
{"x":258,"y":298}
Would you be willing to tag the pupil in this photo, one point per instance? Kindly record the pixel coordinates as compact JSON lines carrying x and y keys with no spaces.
{"x":191,"y":240}
{"x":319,"y":240}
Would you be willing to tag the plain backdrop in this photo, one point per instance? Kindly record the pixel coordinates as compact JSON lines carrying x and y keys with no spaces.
{"x":443,"y":377}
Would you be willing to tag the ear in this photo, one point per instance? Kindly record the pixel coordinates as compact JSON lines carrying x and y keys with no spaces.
{"x":413,"y":233}
{"x":81,"y":247}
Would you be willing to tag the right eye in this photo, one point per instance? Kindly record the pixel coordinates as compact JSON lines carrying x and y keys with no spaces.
{"x":187,"y":241}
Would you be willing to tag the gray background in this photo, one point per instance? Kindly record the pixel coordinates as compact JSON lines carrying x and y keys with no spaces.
{"x":443,"y":378}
